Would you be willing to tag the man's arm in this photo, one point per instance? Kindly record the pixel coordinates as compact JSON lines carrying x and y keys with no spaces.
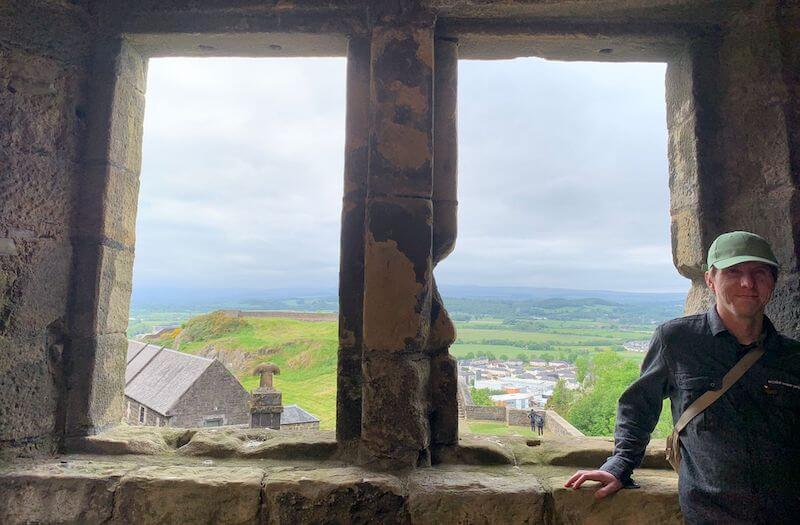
{"x":637,"y":415}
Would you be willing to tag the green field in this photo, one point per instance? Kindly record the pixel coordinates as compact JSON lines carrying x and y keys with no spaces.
{"x":495,"y":429}
{"x":306,"y":351}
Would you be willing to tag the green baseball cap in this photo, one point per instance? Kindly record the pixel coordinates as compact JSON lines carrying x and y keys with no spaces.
{"x":738,"y":247}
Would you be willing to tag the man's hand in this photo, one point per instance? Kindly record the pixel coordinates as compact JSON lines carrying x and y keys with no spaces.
{"x":610,"y":483}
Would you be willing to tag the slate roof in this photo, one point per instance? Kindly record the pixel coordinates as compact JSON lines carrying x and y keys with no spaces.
{"x":157,"y":377}
{"x":293,"y":414}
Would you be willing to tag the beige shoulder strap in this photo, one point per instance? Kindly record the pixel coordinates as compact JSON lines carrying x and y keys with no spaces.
{"x":705,"y":400}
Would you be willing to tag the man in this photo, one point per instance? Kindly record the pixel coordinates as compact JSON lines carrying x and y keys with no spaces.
{"x":741,"y":456}
{"x":540,"y":424}
{"x":532,"y":417}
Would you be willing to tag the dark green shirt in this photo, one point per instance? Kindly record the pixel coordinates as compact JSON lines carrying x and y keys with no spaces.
{"x":741,"y":457}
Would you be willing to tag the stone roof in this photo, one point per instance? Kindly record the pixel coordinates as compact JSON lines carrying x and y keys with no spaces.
{"x":157,"y":377}
{"x":293,"y":414}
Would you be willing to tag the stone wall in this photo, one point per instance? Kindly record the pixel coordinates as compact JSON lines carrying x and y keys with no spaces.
{"x":485,"y":413}
{"x":555,"y":424}
{"x":300,"y":427}
{"x":45,"y":51}
{"x":517,"y":417}
{"x":216,"y":393}
{"x":71,"y":110}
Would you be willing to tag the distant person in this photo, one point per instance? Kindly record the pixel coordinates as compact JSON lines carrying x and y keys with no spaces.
{"x":740,"y":458}
{"x":532,"y":417}
{"x":540,"y":424}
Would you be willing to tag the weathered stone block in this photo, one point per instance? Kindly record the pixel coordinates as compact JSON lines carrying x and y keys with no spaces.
{"x":395,"y":430}
{"x":348,"y":393}
{"x":58,"y":495}
{"x":655,"y":504}
{"x":442,"y":331}
{"x":26,"y":366}
{"x":344,"y":495}
{"x":102,"y":289}
{"x":357,"y":123}
{"x":126,"y":439}
{"x":116,"y":116}
{"x":474,"y":450}
{"x":107,"y":205}
{"x":475,"y":497}
{"x":219,"y":444}
{"x":397,"y":274}
{"x":95,"y":383}
{"x":688,"y":252}
{"x":444,"y":400}
{"x":184,"y":494}
{"x":43,"y":286}
{"x":401,"y":134}
{"x":8,"y":247}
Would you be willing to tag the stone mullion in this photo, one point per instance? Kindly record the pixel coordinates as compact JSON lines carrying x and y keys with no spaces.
{"x":395,"y":428}
{"x":444,"y":369}
{"x":693,"y":163}
{"x":103,"y":240}
{"x":351,"y":273}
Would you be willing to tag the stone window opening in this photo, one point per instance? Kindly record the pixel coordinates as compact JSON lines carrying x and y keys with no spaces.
{"x":580,"y":153}
{"x":233,"y":133}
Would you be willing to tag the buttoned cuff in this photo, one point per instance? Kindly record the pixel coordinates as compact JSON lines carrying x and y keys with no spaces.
{"x":618,"y":468}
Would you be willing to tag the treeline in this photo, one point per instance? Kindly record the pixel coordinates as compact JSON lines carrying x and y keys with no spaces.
{"x":592,"y":408}
{"x":567,"y":356}
{"x":526,"y":310}
{"x":543,"y":346}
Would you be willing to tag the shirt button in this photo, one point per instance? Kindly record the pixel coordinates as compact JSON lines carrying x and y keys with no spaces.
{"x":713,"y":384}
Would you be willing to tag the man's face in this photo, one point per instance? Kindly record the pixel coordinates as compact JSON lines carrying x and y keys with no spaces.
{"x":742,"y":290}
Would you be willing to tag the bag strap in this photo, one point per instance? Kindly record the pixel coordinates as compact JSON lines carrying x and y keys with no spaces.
{"x":708,"y":398}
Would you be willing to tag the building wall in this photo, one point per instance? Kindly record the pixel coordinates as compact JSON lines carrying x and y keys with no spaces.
{"x":216,"y":393}
{"x":485,"y":413}
{"x":301,"y":426}
{"x":151,"y":417}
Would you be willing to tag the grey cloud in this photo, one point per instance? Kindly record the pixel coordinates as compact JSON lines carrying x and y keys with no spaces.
{"x":563,"y":175}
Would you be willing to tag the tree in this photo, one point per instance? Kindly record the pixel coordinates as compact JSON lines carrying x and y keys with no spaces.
{"x":522,"y":357}
{"x":480,"y":396}
{"x":562,"y":398}
{"x":607,"y":376}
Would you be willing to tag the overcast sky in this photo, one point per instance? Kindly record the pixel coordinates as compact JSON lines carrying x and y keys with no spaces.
{"x":562,"y":175}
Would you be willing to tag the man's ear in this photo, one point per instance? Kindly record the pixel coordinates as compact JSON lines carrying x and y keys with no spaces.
{"x":709,"y":280}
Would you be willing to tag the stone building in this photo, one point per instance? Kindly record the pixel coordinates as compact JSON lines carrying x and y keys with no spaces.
{"x":170,"y":388}
{"x":73,"y":82}
{"x":295,"y":418}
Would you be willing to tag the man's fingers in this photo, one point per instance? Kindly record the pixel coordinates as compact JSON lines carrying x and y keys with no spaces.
{"x":609,"y":489}
{"x":581,"y":480}
{"x":611,"y":484}
{"x":574,"y":477}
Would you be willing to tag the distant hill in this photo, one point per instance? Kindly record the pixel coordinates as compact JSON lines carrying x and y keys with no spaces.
{"x":326,"y":300}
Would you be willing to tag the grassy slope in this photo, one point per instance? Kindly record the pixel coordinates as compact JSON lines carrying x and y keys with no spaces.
{"x":304,"y":351}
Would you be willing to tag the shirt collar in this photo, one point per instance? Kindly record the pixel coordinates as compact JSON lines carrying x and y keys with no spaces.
{"x":717,"y":326}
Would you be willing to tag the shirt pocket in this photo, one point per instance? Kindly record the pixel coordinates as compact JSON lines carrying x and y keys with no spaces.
{"x":691,"y":387}
{"x":782,"y":399}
